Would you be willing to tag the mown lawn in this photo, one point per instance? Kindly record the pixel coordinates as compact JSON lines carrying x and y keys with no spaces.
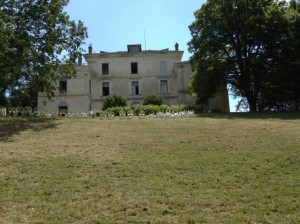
{"x":209,"y":169}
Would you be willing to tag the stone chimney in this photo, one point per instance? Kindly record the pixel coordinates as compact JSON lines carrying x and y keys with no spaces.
{"x":176,"y":47}
{"x":80,"y":59}
{"x":90,"y":49}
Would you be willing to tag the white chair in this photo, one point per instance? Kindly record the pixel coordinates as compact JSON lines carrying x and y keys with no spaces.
{"x":160,"y":115}
{"x":84,"y":114}
{"x":63,"y":112}
{"x":28,"y":111}
{"x":19,"y":111}
{"x":102,"y":114}
{"x":35,"y":111}
{"x":110,"y":114}
{"x":190,"y":113}
{"x":152,"y":115}
{"x":2,"y":111}
{"x":130,"y":113}
{"x":122,"y":113}
{"x":141,"y":114}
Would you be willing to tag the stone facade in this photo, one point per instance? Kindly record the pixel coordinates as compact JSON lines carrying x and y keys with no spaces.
{"x":133,"y":74}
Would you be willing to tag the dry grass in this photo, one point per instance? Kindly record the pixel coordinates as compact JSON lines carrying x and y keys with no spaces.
{"x":192,"y":170}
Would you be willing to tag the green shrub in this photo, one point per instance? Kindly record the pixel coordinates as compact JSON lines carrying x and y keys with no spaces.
{"x":216,"y":110}
{"x":148,"y":109}
{"x":114,"y":101}
{"x":197,"y":108}
{"x":97,"y":113}
{"x":153,"y":100}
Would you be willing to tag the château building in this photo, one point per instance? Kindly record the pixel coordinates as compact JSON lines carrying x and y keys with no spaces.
{"x":132,"y":74}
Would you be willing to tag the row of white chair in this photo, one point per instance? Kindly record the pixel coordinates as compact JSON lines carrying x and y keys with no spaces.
{"x":142,"y":114}
{"x":17,"y":111}
{"x":179,"y":114}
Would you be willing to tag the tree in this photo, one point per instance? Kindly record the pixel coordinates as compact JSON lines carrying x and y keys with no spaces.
{"x":282,"y":89}
{"x":114,"y":101}
{"x":38,"y":45}
{"x":244,"y":44}
{"x":153,"y":100}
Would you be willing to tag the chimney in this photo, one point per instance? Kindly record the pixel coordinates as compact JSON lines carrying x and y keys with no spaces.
{"x":80,"y":59}
{"x":90,"y":49}
{"x":176,"y":47}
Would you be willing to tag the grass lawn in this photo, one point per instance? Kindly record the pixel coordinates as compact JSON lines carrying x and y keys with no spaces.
{"x":211,"y":169}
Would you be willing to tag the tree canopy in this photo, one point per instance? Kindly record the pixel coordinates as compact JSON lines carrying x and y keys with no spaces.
{"x":253,"y":46}
{"x":38,"y":46}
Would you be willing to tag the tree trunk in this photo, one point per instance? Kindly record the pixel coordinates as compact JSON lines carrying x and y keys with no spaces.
{"x":3,"y":100}
{"x":252,"y":103}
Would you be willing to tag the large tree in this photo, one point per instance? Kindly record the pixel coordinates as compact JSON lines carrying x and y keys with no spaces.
{"x":38,"y":45}
{"x":250,"y":45}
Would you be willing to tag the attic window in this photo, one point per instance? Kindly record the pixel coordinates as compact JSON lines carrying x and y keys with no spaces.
{"x":134,"y":48}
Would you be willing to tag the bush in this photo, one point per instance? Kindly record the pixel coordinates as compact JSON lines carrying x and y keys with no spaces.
{"x":114,"y":101}
{"x":97,"y":113}
{"x":197,"y":108}
{"x":153,"y":100}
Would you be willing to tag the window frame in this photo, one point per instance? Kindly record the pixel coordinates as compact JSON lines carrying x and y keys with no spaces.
{"x":105,"y":92}
{"x":105,"y":70}
{"x":135,"y":89}
{"x":63,"y":86}
{"x":134,"y":68}
{"x":163,"y":67}
{"x":164,"y":89}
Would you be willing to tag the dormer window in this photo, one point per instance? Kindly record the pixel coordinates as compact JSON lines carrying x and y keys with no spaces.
{"x":134,"y":48}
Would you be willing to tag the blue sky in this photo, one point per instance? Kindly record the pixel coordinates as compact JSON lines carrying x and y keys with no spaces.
{"x":112,"y":24}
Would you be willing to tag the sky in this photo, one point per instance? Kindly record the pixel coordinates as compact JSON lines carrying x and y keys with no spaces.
{"x":155,"y":24}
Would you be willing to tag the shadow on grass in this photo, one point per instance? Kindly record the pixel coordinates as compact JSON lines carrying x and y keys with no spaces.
{"x":11,"y":126}
{"x":254,"y":115}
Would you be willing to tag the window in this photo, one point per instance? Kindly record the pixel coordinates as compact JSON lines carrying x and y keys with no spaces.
{"x":163,"y":86}
{"x":105,"y":68}
{"x":105,"y":88}
{"x":134,"y":48}
{"x":63,"y":86}
{"x":163,"y":66}
{"x":134,"y":68}
{"x":135,"y":88}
